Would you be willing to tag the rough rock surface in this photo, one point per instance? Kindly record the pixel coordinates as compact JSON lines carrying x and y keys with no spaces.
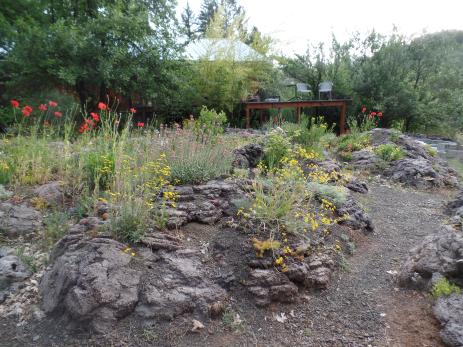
{"x":269,"y":285}
{"x":203,"y":203}
{"x":421,"y":173}
{"x":455,"y":207}
{"x":439,"y":254}
{"x":357,"y":218}
{"x":365,"y":159}
{"x":13,"y":272}
{"x":98,"y":281}
{"x":449,"y":311}
{"x":247,"y":157}
{"x":51,"y":192}
{"x":357,"y":186}
{"x":16,"y":220}
{"x":418,"y":169}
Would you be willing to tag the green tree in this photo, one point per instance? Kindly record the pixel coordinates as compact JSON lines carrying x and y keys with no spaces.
{"x":93,"y":47}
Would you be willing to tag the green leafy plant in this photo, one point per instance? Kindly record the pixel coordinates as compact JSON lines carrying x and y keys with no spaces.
{"x":430,"y":150}
{"x":444,"y":288}
{"x":277,"y":146}
{"x":99,"y":169}
{"x":209,"y":125}
{"x":130,"y":221}
{"x":389,"y":152}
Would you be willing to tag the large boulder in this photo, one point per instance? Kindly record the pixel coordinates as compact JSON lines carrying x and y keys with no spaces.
{"x":205,"y":203}
{"x":97,"y":281}
{"x":440,"y":254}
{"x":449,"y":311}
{"x":13,"y":272}
{"x":247,"y":157}
{"x":421,"y":173}
{"x":18,"y":220}
{"x":51,"y":192}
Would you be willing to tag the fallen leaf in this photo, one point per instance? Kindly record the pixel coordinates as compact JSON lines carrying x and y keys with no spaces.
{"x":197,"y":325}
{"x":281,"y":317}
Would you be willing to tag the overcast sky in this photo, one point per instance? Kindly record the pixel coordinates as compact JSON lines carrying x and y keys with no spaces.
{"x":296,"y":22}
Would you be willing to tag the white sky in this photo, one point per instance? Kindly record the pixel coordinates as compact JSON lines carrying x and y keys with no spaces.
{"x":296,"y":22}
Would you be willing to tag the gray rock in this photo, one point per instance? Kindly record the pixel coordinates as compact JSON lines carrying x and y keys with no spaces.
{"x":4,"y":194}
{"x":247,"y":157}
{"x":449,"y":311}
{"x":95,"y":282}
{"x":418,"y":173}
{"x":441,"y":253}
{"x":357,"y":186}
{"x":268,"y":285}
{"x":455,"y":207}
{"x":16,"y":220}
{"x":13,"y":272}
{"x":206,"y":203}
{"x":51,"y":192}
{"x":365,"y":160}
{"x":357,"y":218}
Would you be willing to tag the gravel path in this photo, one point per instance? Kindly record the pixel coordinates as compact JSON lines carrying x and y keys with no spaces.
{"x":364,"y":306}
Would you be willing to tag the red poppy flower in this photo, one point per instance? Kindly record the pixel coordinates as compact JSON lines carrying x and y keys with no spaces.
{"x":46,"y":123}
{"x":14,"y":103}
{"x":83,"y":128}
{"x":380,"y":114}
{"x":364,"y":109}
{"x":58,"y":114}
{"x":140,"y":124}
{"x":132,"y":110}
{"x":373,"y":114}
{"x":95,"y":116}
{"x":26,"y":111}
{"x":52,"y":103}
{"x":102,"y":106}
{"x":43,"y":107}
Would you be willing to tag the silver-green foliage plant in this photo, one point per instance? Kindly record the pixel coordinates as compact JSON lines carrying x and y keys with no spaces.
{"x":335,"y":194}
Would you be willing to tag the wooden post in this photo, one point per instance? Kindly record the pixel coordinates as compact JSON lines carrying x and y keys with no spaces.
{"x":248,"y":118}
{"x":342,"y":120}
{"x":298,"y":111}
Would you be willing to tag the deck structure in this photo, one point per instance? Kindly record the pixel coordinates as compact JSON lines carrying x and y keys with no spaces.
{"x":298,"y":105}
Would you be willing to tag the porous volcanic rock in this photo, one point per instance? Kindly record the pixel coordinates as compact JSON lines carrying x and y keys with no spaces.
{"x":357,"y":186}
{"x":205,"y":203}
{"x":248,"y":156}
{"x":438,"y":254}
{"x":356,"y":216}
{"x":97,"y":281}
{"x":51,"y":192}
{"x":421,"y":173}
{"x":455,"y":207}
{"x":365,"y":160}
{"x":270,"y":285}
{"x":449,"y":311}
{"x":13,"y":272}
{"x":19,"y":220}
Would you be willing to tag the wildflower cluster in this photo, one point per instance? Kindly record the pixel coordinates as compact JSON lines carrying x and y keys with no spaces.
{"x":283,"y":204}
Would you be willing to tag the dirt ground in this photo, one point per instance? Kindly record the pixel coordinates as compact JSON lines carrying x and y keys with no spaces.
{"x":363,"y":305}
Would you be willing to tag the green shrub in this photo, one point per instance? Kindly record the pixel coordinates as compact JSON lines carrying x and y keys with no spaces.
{"x":99,"y":169}
{"x":194,"y":163}
{"x":444,"y":288}
{"x":352,"y":142}
{"x":209,"y":125}
{"x":277,"y":146}
{"x":308,"y":132}
{"x":389,"y":152}
{"x":395,"y":135}
{"x":335,"y":194}
{"x":130,"y":221}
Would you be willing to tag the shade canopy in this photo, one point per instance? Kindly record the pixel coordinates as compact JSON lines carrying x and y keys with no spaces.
{"x":217,"y":49}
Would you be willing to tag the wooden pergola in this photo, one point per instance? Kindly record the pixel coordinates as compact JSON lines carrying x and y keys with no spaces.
{"x":298,"y":105}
